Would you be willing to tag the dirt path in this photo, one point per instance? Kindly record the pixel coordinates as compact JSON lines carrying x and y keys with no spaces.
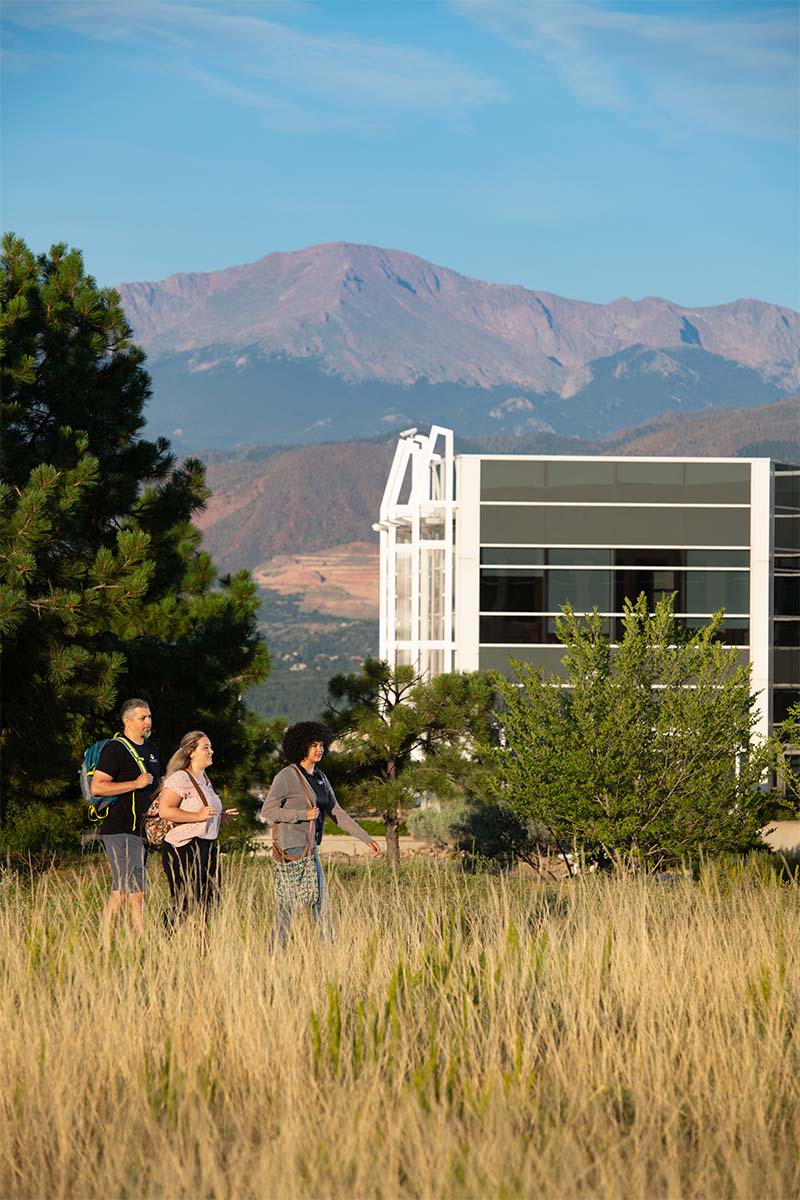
{"x":339,"y":847}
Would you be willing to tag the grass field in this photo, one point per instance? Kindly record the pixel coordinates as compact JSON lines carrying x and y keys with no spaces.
{"x":466,"y":1036}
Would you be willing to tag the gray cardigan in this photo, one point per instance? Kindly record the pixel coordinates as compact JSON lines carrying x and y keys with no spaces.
{"x":286,"y":804}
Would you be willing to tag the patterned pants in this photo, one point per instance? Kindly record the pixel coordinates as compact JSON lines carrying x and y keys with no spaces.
{"x":290,"y":904}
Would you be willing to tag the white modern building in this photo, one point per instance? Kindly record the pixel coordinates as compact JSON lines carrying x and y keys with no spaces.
{"x":480,"y":551}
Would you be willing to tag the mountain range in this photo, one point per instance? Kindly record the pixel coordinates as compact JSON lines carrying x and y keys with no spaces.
{"x":341,"y":340}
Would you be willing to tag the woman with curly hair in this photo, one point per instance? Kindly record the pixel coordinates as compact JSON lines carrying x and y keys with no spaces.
{"x":297,"y":805}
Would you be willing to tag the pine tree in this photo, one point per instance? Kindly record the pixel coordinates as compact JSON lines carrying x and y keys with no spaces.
{"x":402,"y":737}
{"x":104,"y":590}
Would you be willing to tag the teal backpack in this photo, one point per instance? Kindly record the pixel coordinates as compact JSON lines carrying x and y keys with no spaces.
{"x":98,"y":806}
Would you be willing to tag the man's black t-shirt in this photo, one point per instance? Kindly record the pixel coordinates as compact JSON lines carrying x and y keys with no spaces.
{"x":324,"y":795}
{"x":116,"y":760}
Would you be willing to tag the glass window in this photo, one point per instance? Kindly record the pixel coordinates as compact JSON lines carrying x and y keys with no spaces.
{"x":787,"y":595}
{"x":707,"y":591}
{"x":787,"y":633}
{"x":402,"y":533}
{"x":548,"y":658}
{"x":641,"y":477}
{"x":717,"y":483}
{"x":581,"y":481}
{"x":551,"y":636}
{"x":786,"y":666}
{"x":734,"y":631}
{"x":431,"y":529}
{"x":718,"y":558}
{"x":512,"y":630}
{"x":580,"y":557}
{"x":782,"y":700}
{"x":402,"y":597}
{"x":511,"y":591}
{"x":584,"y":590}
{"x":787,"y":562}
{"x":787,"y":487}
{"x":645,"y":557}
{"x":602,"y":481}
{"x":431,"y":662}
{"x":629,"y":584}
{"x":512,"y":479}
{"x":582,"y":526}
{"x":787,"y":532}
{"x":431,"y":585}
{"x":524,"y":556}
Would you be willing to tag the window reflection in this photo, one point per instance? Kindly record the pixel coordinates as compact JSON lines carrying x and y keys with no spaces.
{"x":512,"y":591}
{"x":584,"y":590}
{"x":708,"y":591}
{"x":535,"y":629}
{"x":787,"y":595}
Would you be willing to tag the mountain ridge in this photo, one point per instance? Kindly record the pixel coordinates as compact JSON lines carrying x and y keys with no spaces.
{"x":348,"y":340}
{"x":543,"y":337}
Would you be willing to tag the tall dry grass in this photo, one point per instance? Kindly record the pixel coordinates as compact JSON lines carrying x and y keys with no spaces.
{"x":464,"y":1037}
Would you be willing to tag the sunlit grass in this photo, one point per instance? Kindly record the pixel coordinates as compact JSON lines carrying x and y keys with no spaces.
{"x":465,"y":1036}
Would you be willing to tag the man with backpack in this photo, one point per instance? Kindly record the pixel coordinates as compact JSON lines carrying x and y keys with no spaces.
{"x":127,"y":774}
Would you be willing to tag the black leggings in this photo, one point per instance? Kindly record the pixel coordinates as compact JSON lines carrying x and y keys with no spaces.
{"x":192,"y":872}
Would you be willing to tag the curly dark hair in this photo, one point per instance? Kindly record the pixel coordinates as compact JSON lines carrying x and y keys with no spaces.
{"x":298,"y":739}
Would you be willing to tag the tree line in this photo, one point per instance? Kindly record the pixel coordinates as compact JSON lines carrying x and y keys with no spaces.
{"x":646,"y":753}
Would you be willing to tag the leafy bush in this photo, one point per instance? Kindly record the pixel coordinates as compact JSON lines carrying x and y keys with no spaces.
{"x":482,"y":830}
{"x":41,"y":832}
{"x":439,"y":825}
{"x":645,"y":754}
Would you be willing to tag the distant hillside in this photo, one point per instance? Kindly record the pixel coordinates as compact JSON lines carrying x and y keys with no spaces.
{"x":342,"y":341}
{"x":771,"y":431}
{"x":309,"y":499}
{"x":300,"y":500}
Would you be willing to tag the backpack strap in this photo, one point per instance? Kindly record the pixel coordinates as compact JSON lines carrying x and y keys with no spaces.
{"x":137,"y":758}
{"x":120,"y":737}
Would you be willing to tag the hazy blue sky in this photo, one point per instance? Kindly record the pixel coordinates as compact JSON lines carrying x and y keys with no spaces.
{"x":594,"y":148}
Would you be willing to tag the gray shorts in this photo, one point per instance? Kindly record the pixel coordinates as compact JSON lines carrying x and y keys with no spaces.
{"x":128,"y":858}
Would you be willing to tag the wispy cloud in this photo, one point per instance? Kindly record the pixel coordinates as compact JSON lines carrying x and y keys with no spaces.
{"x":732,"y":65}
{"x":252,"y":57}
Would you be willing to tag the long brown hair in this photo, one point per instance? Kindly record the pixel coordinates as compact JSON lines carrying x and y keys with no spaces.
{"x":181,"y":757}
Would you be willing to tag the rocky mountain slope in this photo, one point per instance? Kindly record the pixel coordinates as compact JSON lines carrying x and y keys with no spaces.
{"x":293,"y":501}
{"x":340,"y":340}
{"x":772,"y":431}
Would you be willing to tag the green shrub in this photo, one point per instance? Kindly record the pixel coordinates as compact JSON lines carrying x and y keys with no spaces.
{"x":441,"y":826}
{"x":40,"y":832}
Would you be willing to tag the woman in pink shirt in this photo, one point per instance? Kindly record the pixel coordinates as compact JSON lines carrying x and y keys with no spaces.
{"x":189,"y":854}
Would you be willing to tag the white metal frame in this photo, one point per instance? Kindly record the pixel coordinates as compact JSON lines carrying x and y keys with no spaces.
{"x":431,"y":494}
{"x":762,"y":506}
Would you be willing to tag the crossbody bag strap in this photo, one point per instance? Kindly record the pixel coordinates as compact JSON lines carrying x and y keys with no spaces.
{"x":307,"y":786}
{"x":198,"y":789}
